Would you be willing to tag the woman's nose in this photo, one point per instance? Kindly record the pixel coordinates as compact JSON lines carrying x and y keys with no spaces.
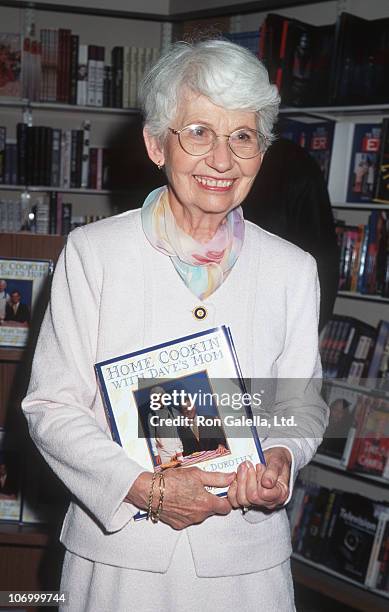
{"x":220,"y":157}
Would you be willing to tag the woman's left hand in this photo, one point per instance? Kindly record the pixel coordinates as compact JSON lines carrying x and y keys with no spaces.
{"x":263,"y":486}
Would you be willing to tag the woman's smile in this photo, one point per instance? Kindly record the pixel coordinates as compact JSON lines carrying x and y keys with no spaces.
{"x":214,"y":184}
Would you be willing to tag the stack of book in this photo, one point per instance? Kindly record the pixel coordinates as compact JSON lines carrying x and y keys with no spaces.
{"x":345,"y":532}
{"x":51,"y":157}
{"x":364,"y":255}
{"x":355,"y":351}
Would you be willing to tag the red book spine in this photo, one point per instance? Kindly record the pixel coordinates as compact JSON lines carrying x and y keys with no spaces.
{"x":284,"y":36}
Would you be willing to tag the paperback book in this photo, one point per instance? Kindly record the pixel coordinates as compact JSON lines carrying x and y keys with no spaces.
{"x":170,"y":405}
{"x":21,"y":284}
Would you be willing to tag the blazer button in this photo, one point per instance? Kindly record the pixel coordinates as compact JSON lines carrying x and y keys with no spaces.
{"x":200,"y":313}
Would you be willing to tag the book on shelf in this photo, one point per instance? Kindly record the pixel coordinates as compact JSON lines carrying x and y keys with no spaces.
{"x":82,"y":75}
{"x":370,"y":450}
{"x":378,"y":374}
{"x":363,"y":162}
{"x":25,"y":281}
{"x":381,"y":187}
{"x":10,"y":478}
{"x":10,"y":66}
{"x":198,"y":373}
{"x":364,"y":255}
{"x":357,"y":74}
{"x":354,"y":162}
{"x":313,"y":134}
{"x":340,"y":433}
{"x":346,"y":347}
{"x":344,"y":532}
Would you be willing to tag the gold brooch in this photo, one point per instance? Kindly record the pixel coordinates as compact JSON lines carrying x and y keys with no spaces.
{"x":199,"y":313}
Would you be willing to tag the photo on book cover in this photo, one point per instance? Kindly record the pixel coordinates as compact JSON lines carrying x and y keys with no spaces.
{"x":184,"y":434}
{"x":182,"y":375}
{"x":21,"y":284}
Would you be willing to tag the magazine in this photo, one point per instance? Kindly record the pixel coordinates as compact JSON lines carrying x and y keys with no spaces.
{"x":21,"y":284}
{"x":170,"y":405}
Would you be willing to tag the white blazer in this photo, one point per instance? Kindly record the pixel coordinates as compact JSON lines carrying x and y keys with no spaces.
{"x":113,"y":293}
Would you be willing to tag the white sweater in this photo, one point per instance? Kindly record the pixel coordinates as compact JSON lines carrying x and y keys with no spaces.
{"x":112,"y":294}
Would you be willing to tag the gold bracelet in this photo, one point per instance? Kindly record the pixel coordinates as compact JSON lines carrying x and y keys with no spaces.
{"x":154,"y":516}
{"x":151,"y":495}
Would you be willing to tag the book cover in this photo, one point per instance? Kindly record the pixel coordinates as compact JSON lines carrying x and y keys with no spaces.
{"x":363,"y":163}
{"x":24,"y":279}
{"x":381,"y":187}
{"x":340,"y":161}
{"x":373,"y":448}
{"x":10,"y":478}
{"x":378,"y":373}
{"x":349,"y":59}
{"x":10,"y":65}
{"x":82,"y":75}
{"x":351,"y":541}
{"x":342,"y":403}
{"x":382,"y":580}
{"x":200,"y":373}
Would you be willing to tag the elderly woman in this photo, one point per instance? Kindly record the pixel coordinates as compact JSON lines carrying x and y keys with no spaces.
{"x":209,"y":111}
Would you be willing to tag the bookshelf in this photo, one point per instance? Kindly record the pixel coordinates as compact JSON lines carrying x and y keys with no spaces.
{"x":329,"y":583}
{"x":139,"y":26}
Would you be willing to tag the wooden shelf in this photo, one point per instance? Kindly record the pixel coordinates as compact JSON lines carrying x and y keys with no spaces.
{"x":18,"y":534}
{"x":331,"y":464}
{"x":342,"y":589}
{"x":353,"y":295}
{"x":10,"y":354}
{"x":357,"y":206}
{"x":24,"y":103}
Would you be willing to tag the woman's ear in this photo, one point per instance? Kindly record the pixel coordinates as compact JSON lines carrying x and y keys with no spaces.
{"x":154,"y":149}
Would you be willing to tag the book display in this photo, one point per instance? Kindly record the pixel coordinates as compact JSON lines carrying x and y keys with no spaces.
{"x":68,"y":82}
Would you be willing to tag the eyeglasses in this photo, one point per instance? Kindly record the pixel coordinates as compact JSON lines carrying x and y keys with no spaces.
{"x":198,"y":140}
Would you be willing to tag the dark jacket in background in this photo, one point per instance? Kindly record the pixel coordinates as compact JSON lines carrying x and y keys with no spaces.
{"x":290,"y":199}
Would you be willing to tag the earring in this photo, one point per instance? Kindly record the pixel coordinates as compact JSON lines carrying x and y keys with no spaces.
{"x":160,"y":166}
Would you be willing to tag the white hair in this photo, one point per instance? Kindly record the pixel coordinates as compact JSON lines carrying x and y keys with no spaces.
{"x":229,"y":75}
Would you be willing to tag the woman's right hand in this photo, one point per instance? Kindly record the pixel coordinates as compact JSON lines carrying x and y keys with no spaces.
{"x":186,"y":501}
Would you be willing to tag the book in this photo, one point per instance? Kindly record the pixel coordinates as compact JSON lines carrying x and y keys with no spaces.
{"x":10,"y":65}
{"x":199,"y":373}
{"x":381,"y":187}
{"x":340,"y":159}
{"x":10,"y":478}
{"x":354,"y":524}
{"x":82,"y":75}
{"x":25,"y":280}
{"x":363,"y":162}
{"x":378,"y":373}
{"x":315,"y":135}
{"x":342,"y":403}
{"x":382,"y":579}
{"x":372,"y":453}
{"x":3,"y":135}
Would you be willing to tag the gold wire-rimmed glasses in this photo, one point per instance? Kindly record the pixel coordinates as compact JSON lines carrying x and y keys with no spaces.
{"x":197,"y":140}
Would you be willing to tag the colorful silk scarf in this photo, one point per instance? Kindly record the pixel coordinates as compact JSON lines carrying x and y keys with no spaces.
{"x":202,"y":267}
